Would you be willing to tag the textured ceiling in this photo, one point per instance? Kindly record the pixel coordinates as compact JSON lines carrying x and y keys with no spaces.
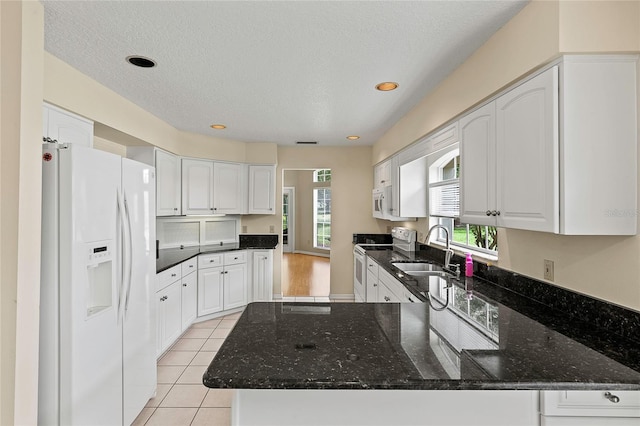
{"x":273,"y":71}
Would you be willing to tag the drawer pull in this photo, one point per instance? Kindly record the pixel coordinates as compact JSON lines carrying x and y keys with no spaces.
{"x":212,"y":261}
{"x":386,"y":298}
{"x":611,"y":397}
{"x":173,"y":275}
{"x":190,"y":266}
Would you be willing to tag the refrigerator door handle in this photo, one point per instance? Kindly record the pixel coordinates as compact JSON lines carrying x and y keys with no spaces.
{"x":123,"y":257}
{"x":130,"y":255}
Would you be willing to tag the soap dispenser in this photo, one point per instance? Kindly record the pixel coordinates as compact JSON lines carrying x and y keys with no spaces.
{"x":468,"y":266}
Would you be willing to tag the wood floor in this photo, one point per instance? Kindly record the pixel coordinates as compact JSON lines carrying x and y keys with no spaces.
{"x":305,"y":275}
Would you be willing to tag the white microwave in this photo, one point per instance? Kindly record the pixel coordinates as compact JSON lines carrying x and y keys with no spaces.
{"x":381,"y":199}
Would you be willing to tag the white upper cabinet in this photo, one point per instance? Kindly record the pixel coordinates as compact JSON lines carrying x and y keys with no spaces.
{"x":478,"y":166}
{"x":527,"y":155}
{"x":557,"y":153}
{"x":229,"y":188}
{"x":197,"y":187}
{"x":262,"y":189}
{"x":64,"y":127}
{"x":168,"y":188}
{"x":382,"y":174}
{"x":598,"y":145}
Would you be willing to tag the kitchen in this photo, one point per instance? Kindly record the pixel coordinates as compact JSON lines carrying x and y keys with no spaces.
{"x":535,"y":36}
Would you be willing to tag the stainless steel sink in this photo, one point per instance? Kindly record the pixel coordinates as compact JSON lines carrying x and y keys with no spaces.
{"x":418,"y":268}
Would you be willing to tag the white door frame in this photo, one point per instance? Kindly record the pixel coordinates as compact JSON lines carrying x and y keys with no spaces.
{"x":290,"y":246}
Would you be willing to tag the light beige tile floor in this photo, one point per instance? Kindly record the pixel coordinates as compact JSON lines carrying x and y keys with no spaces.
{"x":181,"y":398}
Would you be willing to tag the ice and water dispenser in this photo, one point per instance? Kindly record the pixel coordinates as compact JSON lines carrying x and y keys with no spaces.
{"x":100,"y":280}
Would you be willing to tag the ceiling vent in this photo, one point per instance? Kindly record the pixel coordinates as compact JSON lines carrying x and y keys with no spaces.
{"x":307,"y":143}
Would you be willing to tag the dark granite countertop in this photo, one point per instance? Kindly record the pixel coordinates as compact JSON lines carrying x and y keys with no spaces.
{"x":488,"y":337}
{"x":167,"y":258}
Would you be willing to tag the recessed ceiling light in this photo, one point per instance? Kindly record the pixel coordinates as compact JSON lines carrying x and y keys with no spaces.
{"x":218,"y":126}
{"x":141,"y":61}
{"x":387,"y":86}
{"x":353,"y":138}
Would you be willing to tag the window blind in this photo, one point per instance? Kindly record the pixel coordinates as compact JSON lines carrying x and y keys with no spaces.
{"x":444,"y":198}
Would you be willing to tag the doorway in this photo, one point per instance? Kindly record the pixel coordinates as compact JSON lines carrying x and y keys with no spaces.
{"x":306,"y":232}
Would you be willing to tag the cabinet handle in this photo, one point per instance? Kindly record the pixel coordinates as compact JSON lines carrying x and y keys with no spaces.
{"x":410,"y":299}
{"x":611,"y":397}
{"x":173,"y":275}
{"x":226,"y":272}
{"x":488,"y":212}
{"x":235,"y":258}
{"x":498,"y":213}
{"x":221,"y":272}
{"x":386,"y":299}
{"x":175,"y":209}
{"x":184,"y":285}
{"x":375,"y":284}
{"x":211,"y":261}
{"x":190,"y":266}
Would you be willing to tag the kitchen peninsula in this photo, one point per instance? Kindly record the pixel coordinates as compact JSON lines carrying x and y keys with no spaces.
{"x":387,"y":355}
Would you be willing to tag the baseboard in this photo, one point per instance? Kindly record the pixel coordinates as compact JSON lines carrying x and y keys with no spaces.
{"x":312,"y":253}
{"x":350,"y":297}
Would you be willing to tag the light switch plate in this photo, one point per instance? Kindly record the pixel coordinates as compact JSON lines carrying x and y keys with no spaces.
{"x":548,"y":270}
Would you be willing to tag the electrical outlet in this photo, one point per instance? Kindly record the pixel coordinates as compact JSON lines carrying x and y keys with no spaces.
{"x":548,"y":270}
{"x":271,"y":229}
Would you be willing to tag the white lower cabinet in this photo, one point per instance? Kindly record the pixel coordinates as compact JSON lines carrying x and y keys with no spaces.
{"x":589,"y":408}
{"x":175,"y":302}
{"x":388,"y":287}
{"x":235,"y":286}
{"x":189,"y":299}
{"x":372,"y":281}
{"x":222,"y":281}
{"x":261,"y":276}
{"x":210,"y":290}
{"x":169,"y":320}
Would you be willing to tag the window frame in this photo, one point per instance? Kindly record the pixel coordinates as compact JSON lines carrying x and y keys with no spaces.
{"x":436,"y":178}
{"x":324,"y":223}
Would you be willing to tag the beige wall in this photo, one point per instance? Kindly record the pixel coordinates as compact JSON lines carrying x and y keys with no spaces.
{"x":21,"y":68}
{"x":604,"y":267}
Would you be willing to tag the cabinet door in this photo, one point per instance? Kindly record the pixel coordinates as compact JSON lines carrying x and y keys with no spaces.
{"x":382,"y":174}
{"x":67,"y":128}
{"x":262,"y":189}
{"x":210,"y":290}
{"x":527,"y":180}
{"x":385,"y":295}
{"x":478,"y":166}
{"x":262,"y":277}
{"x":372,"y":287}
{"x":170,"y":312}
{"x":229,"y":188}
{"x":197,"y":186}
{"x":189,"y":299}
{"x":235,"y":286}
{"x":167,"y":184}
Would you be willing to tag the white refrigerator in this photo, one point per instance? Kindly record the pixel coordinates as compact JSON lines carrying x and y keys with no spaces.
{"x":97,"y":316}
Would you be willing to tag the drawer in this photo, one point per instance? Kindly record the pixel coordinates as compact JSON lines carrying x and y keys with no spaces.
{"x":189,"y":266}
{"x":590,"y":403}
{"x":372,"y":267}
{"x":210,"y":260}
{"x":168,"y":276}
{"x":235,"y":257}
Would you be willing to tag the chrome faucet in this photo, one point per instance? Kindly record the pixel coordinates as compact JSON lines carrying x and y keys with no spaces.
{"x":448,"y":252}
